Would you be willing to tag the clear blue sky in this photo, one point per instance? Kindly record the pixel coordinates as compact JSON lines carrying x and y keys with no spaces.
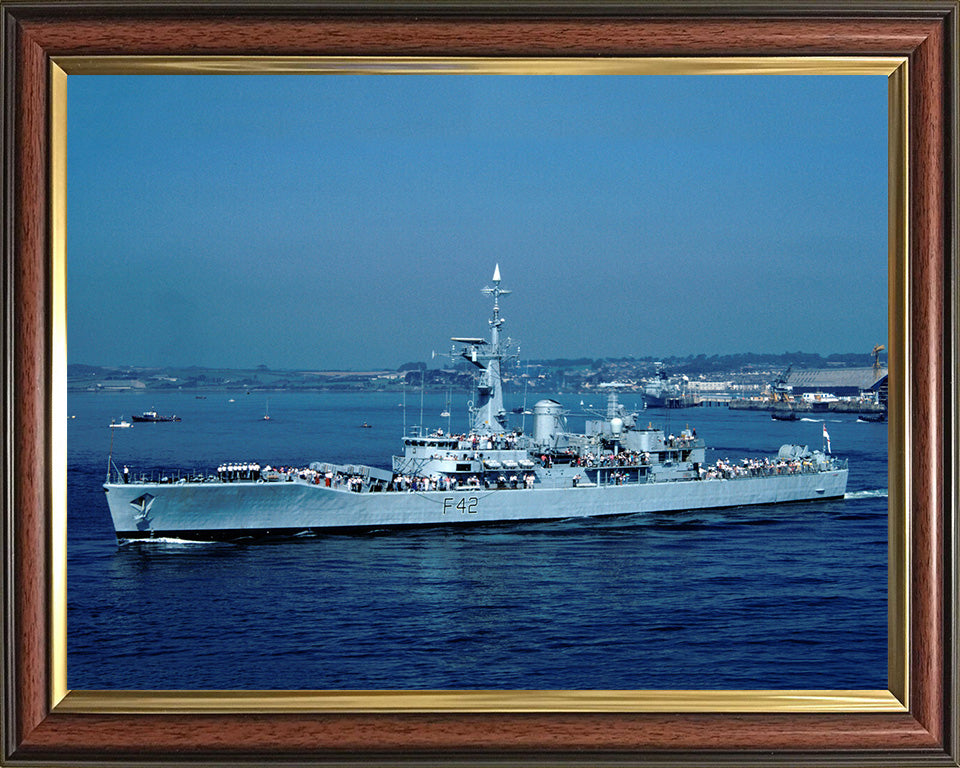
{"x":340,"y":221}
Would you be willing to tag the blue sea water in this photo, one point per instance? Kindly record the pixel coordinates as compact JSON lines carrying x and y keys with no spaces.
{"x":787,"y":596}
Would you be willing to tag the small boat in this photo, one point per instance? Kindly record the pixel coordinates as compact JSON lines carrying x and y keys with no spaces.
{"x":876,"y":418}
{"x":120,"y":424}
{"x":266,"y":415}
{"x":790,"y":415}
{"x":366,"y":426}
{"x":154,"y":417}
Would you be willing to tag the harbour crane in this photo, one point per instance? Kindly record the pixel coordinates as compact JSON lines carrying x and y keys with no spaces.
{"x":780,"y":390}
{"x":876,"y":360}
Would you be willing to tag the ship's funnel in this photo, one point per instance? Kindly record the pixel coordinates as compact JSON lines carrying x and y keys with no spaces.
{"x":547,"y":421}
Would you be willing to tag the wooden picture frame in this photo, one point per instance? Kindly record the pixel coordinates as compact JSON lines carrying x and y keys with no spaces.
{"x":40,"y":727}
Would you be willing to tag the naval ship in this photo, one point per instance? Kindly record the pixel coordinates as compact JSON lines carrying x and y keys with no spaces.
{"x":491,"y":473}
{"x":665,"y":391}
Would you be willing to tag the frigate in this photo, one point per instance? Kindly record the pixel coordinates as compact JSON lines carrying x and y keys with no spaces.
{"x":491,"y":473}
{"x":663,"y":391}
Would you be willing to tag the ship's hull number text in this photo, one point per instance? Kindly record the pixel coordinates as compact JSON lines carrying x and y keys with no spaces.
{"x":466,"y":505}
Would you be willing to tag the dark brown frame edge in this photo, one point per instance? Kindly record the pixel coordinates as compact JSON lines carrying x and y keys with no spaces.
{"x":926,"y":32}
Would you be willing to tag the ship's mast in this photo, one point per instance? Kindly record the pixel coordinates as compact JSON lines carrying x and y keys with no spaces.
{"x":488,"y":413}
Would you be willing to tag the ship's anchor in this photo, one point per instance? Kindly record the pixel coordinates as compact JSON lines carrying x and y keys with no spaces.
{"x":142,"y":516}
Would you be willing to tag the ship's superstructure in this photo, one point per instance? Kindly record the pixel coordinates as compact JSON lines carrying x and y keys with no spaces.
{"x":491,"y":472}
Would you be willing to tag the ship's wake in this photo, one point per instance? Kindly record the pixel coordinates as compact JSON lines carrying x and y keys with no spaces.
{"x":879,"y":493}
{"x":169,"y":541}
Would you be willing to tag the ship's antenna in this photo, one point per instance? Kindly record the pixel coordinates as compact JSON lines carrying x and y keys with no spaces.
{"x":523,"y":415}
{"x":110,"y":455}
{"x":496,"y":292}
{"x":449,"y":411}
{"x":422,"y":377}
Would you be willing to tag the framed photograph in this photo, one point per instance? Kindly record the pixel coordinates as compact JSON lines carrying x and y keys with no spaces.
{"x":414,"y":113}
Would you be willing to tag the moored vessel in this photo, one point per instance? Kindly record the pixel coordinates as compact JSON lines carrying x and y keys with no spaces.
{"x":493,"y":472}
{"x":665,"y":391}
{"x":153,"y":416}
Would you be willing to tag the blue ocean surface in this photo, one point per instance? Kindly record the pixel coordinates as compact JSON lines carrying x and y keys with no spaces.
{"x":780,"y":596}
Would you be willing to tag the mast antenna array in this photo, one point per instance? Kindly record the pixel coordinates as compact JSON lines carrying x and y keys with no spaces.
{"x":496,"y":292}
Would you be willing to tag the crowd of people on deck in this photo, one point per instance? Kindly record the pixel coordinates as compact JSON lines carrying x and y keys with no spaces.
{"x":724,"y":469}
{"x":621,"y":459}
{"x":473,"y":445}
{"x":230,"y":473}
{"x":687,"y":438}
{"x":448,"y":483}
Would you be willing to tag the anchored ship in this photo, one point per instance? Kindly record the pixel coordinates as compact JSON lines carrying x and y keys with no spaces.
{"x":154,"y":417}
{"x":665,"y":391}
{"x":491,"y":473}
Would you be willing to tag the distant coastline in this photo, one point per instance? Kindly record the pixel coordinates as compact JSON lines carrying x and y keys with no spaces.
{"x":747,"y":370}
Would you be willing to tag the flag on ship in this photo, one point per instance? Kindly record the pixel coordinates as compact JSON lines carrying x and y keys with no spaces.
{"x":826,"y":436}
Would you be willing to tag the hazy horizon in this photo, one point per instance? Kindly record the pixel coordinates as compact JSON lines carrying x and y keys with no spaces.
{"x":435,"y":364}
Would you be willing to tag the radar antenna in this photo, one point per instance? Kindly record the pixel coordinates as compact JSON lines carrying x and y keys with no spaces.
{"x":496,"y":292}
{"x":488,"y":414}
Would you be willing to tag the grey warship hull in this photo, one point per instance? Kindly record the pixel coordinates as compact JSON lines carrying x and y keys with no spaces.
{"x":490,"y":474}
{"x":248,"y":509}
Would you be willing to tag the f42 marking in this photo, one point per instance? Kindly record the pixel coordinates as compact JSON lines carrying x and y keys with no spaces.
{"x":466,"y":505}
